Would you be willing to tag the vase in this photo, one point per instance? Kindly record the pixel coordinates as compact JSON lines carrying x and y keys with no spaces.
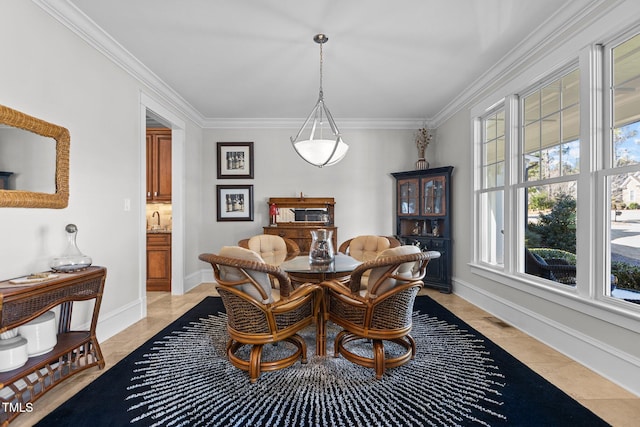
{"x":422,"y":164}
{"x":72,"y":259}
{"x":321,"y":249}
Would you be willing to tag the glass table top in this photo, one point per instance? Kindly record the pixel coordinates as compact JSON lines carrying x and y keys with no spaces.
{"x":300,"y":264}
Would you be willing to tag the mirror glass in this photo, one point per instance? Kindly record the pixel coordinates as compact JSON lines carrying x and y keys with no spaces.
{"x":34,"y":162}
{"x":27,"y":161}
{"x":286,"y":214}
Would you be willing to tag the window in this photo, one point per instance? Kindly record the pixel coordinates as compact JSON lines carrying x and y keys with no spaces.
{"x":549,"y":161}
{"x":623,"y":175}
{"x":492,"y":154}
{"x":555,"y":209}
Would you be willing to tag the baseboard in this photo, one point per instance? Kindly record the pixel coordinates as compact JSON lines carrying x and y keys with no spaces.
{"x":205,"y":276}
{"x":618,"y":367}
{"x":192,"y":280}
{"x":118,"y":320}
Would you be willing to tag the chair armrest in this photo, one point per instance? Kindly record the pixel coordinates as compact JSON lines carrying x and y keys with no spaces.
{"x":339,"y":289}
{"x":271,"y":270}
{"x":344,"y":247}
{"x":299,"y":296}
{"x":293,"y":250}
{"x":393,"y":242}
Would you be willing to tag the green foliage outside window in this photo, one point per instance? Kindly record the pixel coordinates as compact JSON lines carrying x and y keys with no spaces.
{"x":539,"y":201}
{"x":556,"y":229}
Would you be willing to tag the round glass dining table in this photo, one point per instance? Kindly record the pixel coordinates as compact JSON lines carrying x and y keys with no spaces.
{"x":300,"y":270}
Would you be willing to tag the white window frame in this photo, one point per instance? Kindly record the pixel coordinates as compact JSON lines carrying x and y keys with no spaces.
{"x":593,"y":205}
{"x":607,"y":170}
{"x":522,"y":184}
{"x":481,"y":237}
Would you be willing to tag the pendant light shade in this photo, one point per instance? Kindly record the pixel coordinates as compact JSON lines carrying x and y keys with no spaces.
{"x":318,"y":141}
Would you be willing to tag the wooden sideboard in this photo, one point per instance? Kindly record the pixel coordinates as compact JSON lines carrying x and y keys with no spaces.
{"x":292,"y":224}
{"x":74,"y":351}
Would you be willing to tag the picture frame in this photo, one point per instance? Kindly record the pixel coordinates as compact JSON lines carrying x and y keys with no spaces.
{"x":234,"y":202}
{"x":235,"y":160}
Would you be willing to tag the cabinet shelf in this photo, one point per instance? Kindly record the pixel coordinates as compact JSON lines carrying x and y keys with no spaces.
{"x":423,"y":218}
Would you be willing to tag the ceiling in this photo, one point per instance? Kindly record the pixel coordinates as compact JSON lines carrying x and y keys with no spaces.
{"x":385,"y":60}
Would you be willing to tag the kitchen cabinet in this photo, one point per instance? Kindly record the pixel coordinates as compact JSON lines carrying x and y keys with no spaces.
{"x":423,"y":218}
{"x":158,"y":165}
{"x":159,"y":261}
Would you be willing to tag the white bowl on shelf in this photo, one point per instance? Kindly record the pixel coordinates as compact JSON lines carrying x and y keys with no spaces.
{"x":9,"y":334}
{"x":13,"y":353}
{"x":40,"y":334}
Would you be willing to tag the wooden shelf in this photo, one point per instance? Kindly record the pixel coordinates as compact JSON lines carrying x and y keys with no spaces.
{"x":300,"y":231}
{"x":67,"y":342}
{"x":74,"y":350}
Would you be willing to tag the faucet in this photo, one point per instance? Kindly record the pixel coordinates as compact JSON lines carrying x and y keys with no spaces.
{"x":154,"y":214}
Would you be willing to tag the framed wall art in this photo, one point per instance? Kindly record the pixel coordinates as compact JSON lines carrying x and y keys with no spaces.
{"x":235,"y":202}
{"x":235,"y":160}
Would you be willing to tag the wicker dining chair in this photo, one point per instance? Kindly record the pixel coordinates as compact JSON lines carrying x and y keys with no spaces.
{"x":383,"y":311}
{"x":273,"y":249}
{"x":366,"y":248}
{"x":259,"y":315}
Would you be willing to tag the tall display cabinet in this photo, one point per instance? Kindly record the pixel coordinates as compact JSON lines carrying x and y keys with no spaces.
{"x":423,"y":217}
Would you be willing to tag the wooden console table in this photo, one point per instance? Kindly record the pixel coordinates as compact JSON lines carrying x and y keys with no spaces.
{"x":74,"y":351}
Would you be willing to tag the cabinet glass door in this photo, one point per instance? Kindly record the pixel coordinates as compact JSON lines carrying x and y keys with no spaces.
{"x":408,"y":197}
{"x":433,"y":196}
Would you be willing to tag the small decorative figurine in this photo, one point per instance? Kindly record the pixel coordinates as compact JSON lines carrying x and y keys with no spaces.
{"x":273,"y":213}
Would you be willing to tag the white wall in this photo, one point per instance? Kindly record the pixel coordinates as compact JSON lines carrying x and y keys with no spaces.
{"x":62,"y":79}
{"x":48,"y":72}
{"x":361,"y":183}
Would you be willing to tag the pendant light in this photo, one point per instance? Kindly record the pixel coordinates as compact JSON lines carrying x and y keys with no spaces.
{"x":318,"y":141}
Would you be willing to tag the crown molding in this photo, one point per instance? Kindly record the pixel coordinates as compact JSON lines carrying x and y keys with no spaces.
{"x":85,"y":28}
{"x":240,"y":123}
{"x":563,"y":24}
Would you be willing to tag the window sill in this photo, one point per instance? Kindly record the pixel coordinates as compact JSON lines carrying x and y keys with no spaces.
{"x":602,"y":307}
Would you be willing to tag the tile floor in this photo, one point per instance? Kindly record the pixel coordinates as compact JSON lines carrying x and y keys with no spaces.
{"x":611,"y":402}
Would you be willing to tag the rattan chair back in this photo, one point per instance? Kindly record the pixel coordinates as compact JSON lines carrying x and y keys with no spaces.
{"x":367,"y":247}
{"x":254,"y":321}
{"x":382,"y":313}
{"x":272,"y":248}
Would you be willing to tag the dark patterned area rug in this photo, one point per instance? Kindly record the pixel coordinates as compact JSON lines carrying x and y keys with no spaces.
{"x":181,"y":378}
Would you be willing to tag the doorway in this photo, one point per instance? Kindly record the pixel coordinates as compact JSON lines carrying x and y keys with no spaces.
{"x":158,"y":208}
{"x":153,"y":113}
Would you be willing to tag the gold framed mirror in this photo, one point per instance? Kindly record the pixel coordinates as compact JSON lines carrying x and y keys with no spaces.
{"x":26,"y":197}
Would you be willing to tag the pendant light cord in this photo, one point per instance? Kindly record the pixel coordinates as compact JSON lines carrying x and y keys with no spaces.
{"x":321,"y":42}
